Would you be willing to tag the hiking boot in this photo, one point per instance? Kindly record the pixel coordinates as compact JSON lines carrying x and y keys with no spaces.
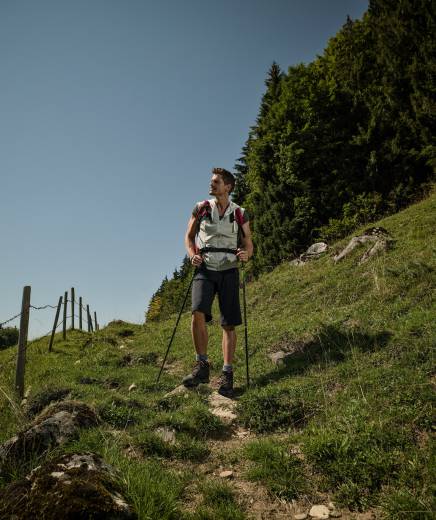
{"x":226,"y":384}
{"x":200,"y":374}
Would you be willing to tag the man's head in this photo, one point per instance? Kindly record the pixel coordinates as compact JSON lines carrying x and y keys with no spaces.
{"x":222,"y":182}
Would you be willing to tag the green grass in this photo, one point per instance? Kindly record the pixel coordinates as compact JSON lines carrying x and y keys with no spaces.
{"x":218,"y":503}
{"x":356,"y":397}
{"x":277,"y":467}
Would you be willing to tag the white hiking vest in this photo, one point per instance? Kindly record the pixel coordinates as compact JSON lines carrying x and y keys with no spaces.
{"x":219,"y":233}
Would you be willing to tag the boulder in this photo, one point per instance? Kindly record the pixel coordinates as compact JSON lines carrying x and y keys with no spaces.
{"x":317,"y":249}
{"x":313,"y":252}
{"x":319,"y":512}
{"x":75,"y":486}
{"x":55,"y":425}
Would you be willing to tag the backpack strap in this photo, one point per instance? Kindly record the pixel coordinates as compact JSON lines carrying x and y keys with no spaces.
{"x":204,"y":210}
{"x":239,"y":220}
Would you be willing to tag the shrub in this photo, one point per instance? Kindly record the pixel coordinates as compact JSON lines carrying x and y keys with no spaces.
{"x":8,"y":337}
{"x":364,"y":208}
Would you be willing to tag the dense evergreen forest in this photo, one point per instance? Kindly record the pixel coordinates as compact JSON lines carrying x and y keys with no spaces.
{"x":338,"y":142}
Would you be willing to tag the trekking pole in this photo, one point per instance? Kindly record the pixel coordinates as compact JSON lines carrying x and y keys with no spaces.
{"x":175,"y":328}
{"x":245,"y":322}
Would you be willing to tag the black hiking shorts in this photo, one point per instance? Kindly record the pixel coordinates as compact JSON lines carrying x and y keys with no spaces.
{"x":226,"y":283}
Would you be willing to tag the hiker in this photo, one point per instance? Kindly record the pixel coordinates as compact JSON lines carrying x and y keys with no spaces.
{"x":218,"y":236}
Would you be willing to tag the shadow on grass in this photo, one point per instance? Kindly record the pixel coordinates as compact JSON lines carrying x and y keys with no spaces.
{"x":331,"y":345}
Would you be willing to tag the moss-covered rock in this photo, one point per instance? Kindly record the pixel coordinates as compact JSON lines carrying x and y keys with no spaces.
{"x":74,"y":486}
{"x":39,"y":401}
{"x":56,"y":424}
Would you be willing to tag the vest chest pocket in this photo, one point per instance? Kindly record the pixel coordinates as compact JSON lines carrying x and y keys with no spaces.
{"x":209,"y":228}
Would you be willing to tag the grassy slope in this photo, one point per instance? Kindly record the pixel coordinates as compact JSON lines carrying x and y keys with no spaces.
{"x":349,"y":415}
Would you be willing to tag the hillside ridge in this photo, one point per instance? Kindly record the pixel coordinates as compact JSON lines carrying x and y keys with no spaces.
{"x":343,"y":416}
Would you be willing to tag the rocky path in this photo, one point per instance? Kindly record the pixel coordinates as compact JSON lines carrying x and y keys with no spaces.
{"x":253,"y":496}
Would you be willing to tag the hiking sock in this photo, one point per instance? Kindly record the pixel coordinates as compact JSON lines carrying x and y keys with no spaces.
{"x":227,"y":368}
{"x":201,"y":357}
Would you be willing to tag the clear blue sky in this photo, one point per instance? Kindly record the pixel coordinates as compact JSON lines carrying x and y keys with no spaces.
{"x":112,"y":115}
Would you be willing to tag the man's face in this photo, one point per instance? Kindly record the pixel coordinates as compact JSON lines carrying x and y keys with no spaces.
{"x":217,"y":186}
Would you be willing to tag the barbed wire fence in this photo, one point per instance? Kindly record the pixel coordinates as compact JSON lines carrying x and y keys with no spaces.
{"x":24,"y":326}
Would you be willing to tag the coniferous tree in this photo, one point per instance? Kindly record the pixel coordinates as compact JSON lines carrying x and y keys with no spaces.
{"x":337,"y":142}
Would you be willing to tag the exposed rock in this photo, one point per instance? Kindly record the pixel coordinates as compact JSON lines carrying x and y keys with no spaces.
{"x":72,"y":486}
{"x":226,"y":474}
{"x":179,"y":390}
{"x":57,"y":424}
{"x":222,"y":407}
{"x":317,"y":249}
{"x":331,"y":506}
{"x":300,"y":516}
{"x":380,"y":245}
{"x":279,"y":357}
{"x":319,"y":512}
{"x":379,"y":237}
{"x":132,"y":387}
{"x":166,"y":434}
{"x":335,"y":514}
{"x":313,"y":252}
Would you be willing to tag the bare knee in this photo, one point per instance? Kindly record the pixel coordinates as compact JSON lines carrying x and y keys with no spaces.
{"x":198,"y":317}
{"x":228,"y":327}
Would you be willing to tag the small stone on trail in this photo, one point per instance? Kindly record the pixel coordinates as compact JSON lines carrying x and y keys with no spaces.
{"x":166,"y":434}
{"x":181,"y":389}
{"x":226,"y":474}
{"x":132,"y":387}
{"x":319,"y":512}
{"x":300,"y":516}
{"x":222,"y":407}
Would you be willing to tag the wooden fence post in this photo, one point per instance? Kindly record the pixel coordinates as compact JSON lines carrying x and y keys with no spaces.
{"x":64,"y":328}
{"x":90,"y":321}
{"x":80,"y":313}
{"x":72,"y":308}
{"x":22,"y":341}
{"x":95,"y":320}
{"x":88,"y":316}
{"x":58,"y":310}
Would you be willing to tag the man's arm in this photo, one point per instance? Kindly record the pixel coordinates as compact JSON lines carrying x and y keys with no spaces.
{"x":246,"y":251}
{"x":190,"y":242}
